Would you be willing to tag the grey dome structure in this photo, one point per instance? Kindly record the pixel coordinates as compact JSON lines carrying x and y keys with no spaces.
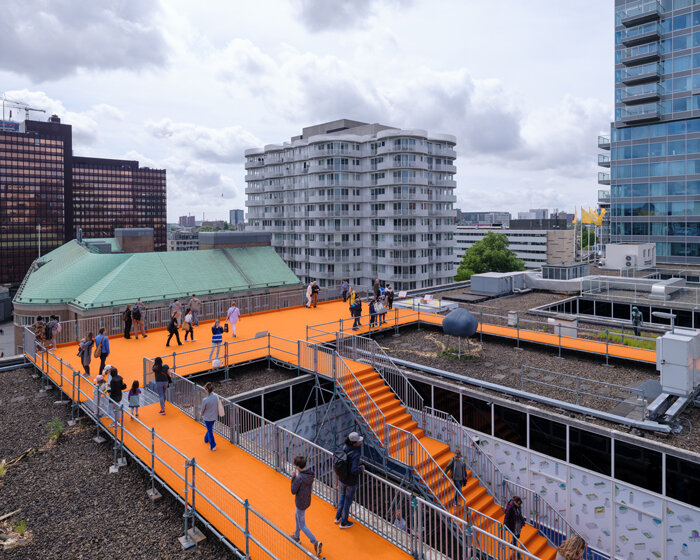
{"x":459,"y":322}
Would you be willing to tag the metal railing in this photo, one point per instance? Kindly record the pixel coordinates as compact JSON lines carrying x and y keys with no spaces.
{"x":539,"y":513}
{"x":429,"y":529}
{"x":366,"y":350}
{"x":581,"y":387}
{"x":159,"y":317}
{"x":205,"y":498}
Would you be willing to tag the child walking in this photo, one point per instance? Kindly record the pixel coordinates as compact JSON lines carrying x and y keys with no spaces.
{"x":189,"y":330}
{"x":134,"y":399}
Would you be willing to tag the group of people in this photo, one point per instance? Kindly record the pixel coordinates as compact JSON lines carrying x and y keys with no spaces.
{"x":46,"y":332}
{"x":134,"y":317}
{"x":186,"y":319}
{"x":379,"y":304}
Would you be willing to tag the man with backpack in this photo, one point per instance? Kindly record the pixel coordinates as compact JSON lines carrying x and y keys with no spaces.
{"x":356,"y":309}
{"x":346,"y":464}
{"x":458,"y":470}
{"x":138,"y":314}
{"x":302,"y":483}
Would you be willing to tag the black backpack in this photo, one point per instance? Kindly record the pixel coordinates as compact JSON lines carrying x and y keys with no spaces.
{"x":341,"y":464}
{"x":136,"y":314}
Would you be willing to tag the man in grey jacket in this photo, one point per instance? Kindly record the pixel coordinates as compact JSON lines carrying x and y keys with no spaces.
{"x":302,"y":481}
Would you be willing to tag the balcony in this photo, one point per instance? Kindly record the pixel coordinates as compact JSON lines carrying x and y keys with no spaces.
{"x":651,"y":52}
{"x":603,"y":142}
{"x":603,"y":160}
{"x":641,"y":94}
{"x":641,"y":34}
{"x":603,"y":178}
{"x":640,"y":12}
{"x":638,"y":74}
{"x":604,"y":197}
{"x":639,"y":113}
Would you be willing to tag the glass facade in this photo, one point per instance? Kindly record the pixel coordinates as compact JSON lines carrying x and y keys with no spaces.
{"x":42,"y":184}
{"x":31,"y":195}
{"x":655,"y":139}
{"x":110,"y":194}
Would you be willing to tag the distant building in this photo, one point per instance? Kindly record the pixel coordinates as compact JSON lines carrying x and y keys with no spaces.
{"x":357,"y":201}
{"x":183,"y":240}
{"x":221,"y":224}
{"x":542,"y":223}
{"x":186,"y":221}
{"x":235,"y":217}
{"x":43,"y":185}
{"x":536,"y":247}
{"x":472,"y":218}
{"x":534,"y":214}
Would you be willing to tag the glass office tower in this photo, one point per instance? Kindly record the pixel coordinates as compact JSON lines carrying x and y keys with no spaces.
{"x":655,"y":138}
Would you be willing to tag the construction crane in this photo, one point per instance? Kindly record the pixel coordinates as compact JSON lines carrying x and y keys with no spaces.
{"x":18,"y":105}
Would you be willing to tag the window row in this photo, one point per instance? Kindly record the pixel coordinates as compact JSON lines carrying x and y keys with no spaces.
{"x":681,"y":229}
{"x":662,"y":188}
{"x":681,"y":208}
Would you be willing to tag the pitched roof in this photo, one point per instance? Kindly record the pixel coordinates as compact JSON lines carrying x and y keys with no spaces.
{"x":75,"y":274}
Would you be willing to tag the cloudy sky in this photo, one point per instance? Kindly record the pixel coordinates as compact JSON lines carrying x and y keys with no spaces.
{"x":187,"y":86}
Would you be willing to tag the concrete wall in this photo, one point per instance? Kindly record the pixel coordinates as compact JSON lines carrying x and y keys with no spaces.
{"x":135,"y":240}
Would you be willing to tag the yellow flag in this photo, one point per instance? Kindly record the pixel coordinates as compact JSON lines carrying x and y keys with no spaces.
{"x":599,"y":217}
{"x":585,"y":217}
{"x":575,"y":220}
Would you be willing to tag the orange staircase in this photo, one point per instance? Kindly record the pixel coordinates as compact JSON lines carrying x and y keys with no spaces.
{"x":429,"y":466}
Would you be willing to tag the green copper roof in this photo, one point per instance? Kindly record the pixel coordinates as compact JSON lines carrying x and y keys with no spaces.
{"x":76,"y":275}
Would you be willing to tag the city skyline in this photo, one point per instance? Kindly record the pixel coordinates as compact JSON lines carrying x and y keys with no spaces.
{"x":189,"y":92}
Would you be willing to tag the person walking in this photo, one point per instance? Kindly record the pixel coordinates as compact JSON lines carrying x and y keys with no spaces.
{"x":389,"y":296}
{"x":356,"y":310}
{"x":372,"y":314}
{"x":458,"y":470}
{"x":233,"y":315}
{"x":116,"y":386}
{"x":309,"y":293}
{"x":514,"y":519}
{"x":344,"y":287}
{"x":302,"y":483}
{"x":315,"y":289}
{"x":134,"y":398}
{"x":571,"y":549}
{"x":85,"y":352}
{"x":52,"y":329}
{"x":138,"y":314}
{"x":637,"y":321}
{"x":172,"y":329}
{"x":101,"y":348}
{"x":126,"y":317}
{"x":162,"y":377}
{"x":217,"y":337}
{"x":176,"y":309}
{"x":194,"y":305}
{"x":348,"y":486}
{"x":187,"y":322}
{"x":209,"y":413}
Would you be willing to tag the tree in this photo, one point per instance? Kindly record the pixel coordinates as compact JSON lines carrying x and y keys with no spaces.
{"x":588,"y":238}
{"x":491,"y":254}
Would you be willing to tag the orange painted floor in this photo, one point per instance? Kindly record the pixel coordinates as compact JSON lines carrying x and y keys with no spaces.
{"x":248,"y":478}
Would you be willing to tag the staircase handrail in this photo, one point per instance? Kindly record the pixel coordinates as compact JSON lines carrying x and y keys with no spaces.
{"x":502,"y":489}
{"x":417,"y":455}
{"x":377,"y":415}
{"x":368,"y":349}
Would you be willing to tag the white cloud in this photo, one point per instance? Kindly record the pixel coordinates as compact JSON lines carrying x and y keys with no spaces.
{"x":51,"y":39}
{"x":221,"y":145}
{"x":323,"y":15}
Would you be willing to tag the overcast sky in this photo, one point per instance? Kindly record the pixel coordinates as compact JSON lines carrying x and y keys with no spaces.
{"x":187,"y":86}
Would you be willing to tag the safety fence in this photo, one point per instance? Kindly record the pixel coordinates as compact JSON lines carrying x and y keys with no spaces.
{"x":538,"y":512}
{"x":585,"y":391}
{"x":155,"y":317}
{"x":244,"y":529}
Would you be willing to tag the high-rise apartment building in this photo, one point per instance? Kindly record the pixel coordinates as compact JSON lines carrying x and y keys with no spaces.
{"x":46,"y":193}
{"x":348,"y":199}
{"x":655,"y":138}
{"x":235,"y":217}
{"x":186,"y":221}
